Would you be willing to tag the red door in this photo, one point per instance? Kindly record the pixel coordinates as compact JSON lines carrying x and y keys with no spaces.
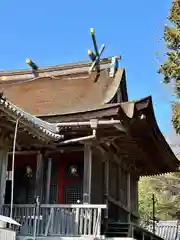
{"x":70,"y":186}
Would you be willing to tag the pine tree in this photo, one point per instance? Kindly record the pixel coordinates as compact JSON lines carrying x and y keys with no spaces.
{"x":171,"y":67}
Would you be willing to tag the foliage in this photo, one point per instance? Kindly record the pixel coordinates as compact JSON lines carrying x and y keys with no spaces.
{"x":171,"y":67}
{"x":166,"y":189}
{"x":145,"y":201}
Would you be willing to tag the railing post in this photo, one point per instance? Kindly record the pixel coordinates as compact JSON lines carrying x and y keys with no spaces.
{"x":36,"y":218}
{"x":77,"y":221}
{"x":132,"y":233}
{"x":52,"y":220}
{"x":99,"y":223}
{"x":49,"y":225}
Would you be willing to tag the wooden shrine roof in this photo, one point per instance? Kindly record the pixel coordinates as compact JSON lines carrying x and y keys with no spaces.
{"x":62,"y":89}
{"x":143,"y":145}
{"x":67,"y":93}
{"x":32,"y":131}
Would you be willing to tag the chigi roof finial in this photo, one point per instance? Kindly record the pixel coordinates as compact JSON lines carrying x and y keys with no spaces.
{"x":31,"y":64}
{"x":95,"y":56}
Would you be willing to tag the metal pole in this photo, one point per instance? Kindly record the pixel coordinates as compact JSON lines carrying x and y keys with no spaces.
{"x":93,"y":136}
{"x":88,"y":123}
{"x":153,"y":202}
{"x":13,"y":161}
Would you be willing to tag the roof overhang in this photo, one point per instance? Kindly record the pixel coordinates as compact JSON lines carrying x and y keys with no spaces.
{"x":32,"y":132}
{"x":142,"y":144}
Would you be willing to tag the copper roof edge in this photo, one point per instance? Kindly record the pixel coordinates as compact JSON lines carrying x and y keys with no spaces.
{"x":55,"y":68}
{"x":147,"y":103}
{"x":98,"y":108}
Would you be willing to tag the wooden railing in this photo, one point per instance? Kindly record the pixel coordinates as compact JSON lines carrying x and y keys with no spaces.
{"x":130,"y":230}
{"x":7,"y":234}
{"x":144,"y":234}
{"x":57,"y":220}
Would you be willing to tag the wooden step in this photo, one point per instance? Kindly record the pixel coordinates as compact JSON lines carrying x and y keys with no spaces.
{"x":116,"y":234}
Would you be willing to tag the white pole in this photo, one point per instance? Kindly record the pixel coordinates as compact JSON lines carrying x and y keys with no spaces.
{"x":88,"y":123}
{"x":13,"y":160}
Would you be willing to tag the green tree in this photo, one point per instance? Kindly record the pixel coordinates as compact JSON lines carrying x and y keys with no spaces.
{"x":170,"y":69}
{"x":166,"y":189}
{"x":145,"y":201}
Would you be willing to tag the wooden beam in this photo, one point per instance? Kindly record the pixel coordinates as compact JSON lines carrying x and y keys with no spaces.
{"x":72,"y":148}
{"x":117,"y":203}
{"x":30,"y":152}
{"x":39,"y":176}
{"x":58,"y":149}
{"x":134,"y":153}
{"x":108,"y":154}
{"x":3,"y":174}
{"x":87,"y":173}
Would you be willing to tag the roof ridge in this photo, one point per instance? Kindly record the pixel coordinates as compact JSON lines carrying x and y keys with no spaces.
{"x":55,"y":67}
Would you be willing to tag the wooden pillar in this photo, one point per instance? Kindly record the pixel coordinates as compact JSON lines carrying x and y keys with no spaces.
{"x":106,"y":192}
{"x":129,"y":196}
{"x":106,"y":181}
{"x":87,"y":173}
{"x":39,"y":176}
{"x":137,"y":195}
{"x":3,"y":174}
{"x":48,"y":180}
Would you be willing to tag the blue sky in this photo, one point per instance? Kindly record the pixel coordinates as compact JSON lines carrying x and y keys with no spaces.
{"x":53,"y":32}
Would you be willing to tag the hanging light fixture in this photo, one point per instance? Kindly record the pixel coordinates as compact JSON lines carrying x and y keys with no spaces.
{"x":29,"y":171}
{"x":74,"y":171}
